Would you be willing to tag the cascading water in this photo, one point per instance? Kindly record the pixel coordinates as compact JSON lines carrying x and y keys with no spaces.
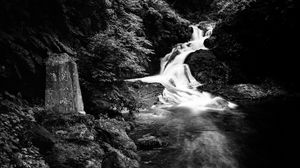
{"x":185,"y":118}
{"x":180,"y":86}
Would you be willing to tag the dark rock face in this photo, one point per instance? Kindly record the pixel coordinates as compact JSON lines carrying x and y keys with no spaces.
{"x":253,"y":39}
{"x":222,"y":79}
{"x":207,"y":69}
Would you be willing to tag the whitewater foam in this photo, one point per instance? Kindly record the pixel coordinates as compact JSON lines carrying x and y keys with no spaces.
{"x":180,"y":85}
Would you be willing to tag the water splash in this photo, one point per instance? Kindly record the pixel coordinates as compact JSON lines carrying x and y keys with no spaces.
{"x":180,"y":86}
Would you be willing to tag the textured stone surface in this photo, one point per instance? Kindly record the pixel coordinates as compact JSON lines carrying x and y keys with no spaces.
{"x":83,"y":141}
{"x":116,"y":159}
{"x":62,"y":85}
{"x":149,"y":142}
{"x":207,"y":69}
{"x":250,"y":90}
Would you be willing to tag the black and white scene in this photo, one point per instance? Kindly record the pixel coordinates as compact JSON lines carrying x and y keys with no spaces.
{"x":149,"y":84}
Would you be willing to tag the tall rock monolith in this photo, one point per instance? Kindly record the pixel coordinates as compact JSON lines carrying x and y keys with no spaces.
{"x":63,"y":92}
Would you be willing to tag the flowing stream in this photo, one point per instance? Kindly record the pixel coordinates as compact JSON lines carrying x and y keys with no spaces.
{"x":188,"y":128}
{"x":180,"y":86}
{"x":185,"y":122}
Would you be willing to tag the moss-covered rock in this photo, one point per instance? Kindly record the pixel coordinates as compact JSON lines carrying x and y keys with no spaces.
{"x":35,"y":137}
{"x":207,"y":69}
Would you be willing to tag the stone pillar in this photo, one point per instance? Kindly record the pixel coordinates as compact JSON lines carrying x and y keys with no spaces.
{"x":63,"y":92}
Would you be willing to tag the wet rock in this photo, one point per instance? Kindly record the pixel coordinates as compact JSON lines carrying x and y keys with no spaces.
{"x":250,"y":90}
{"x":121,"y":150}
{"x":77,"y":143}
{"x":114,"y":132}
{"x":149,"y":142}
{"x":69,"y":155}
{"x":246,"y":93}
{"x":108,"y":98}
{"x":84,"y":141}
{"x":80,"y":132}
{"x":207,"y":69}
{"x":145,"y":94}
{"x":116,"y":159}
{"x":62,"y":85}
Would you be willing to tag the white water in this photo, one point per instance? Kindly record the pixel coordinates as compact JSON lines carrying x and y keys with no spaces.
{"x":180,"y":86}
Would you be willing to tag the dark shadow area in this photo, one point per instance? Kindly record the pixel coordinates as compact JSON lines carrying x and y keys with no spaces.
{"x":271,"y":139}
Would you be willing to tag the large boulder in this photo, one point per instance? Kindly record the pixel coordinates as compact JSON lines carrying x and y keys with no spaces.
{"x":207,"y":69}
{"x":76,"y":143}
{"x":85,"y":142}
{"x":145,"y":94}
{"x":62,"y":85}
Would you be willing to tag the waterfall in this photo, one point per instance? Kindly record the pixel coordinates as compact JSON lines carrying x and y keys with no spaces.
{"x":180,"y":86}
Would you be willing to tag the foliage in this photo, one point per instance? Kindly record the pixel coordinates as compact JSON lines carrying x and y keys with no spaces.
{"x":163,"y":27}
{"x":16,"y":150}
{"x":225,"y":8}
{"x":135,"y":31}
{"x":122,"y":47}
{"x":199,"y":10}
{"x":165,"y":10}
